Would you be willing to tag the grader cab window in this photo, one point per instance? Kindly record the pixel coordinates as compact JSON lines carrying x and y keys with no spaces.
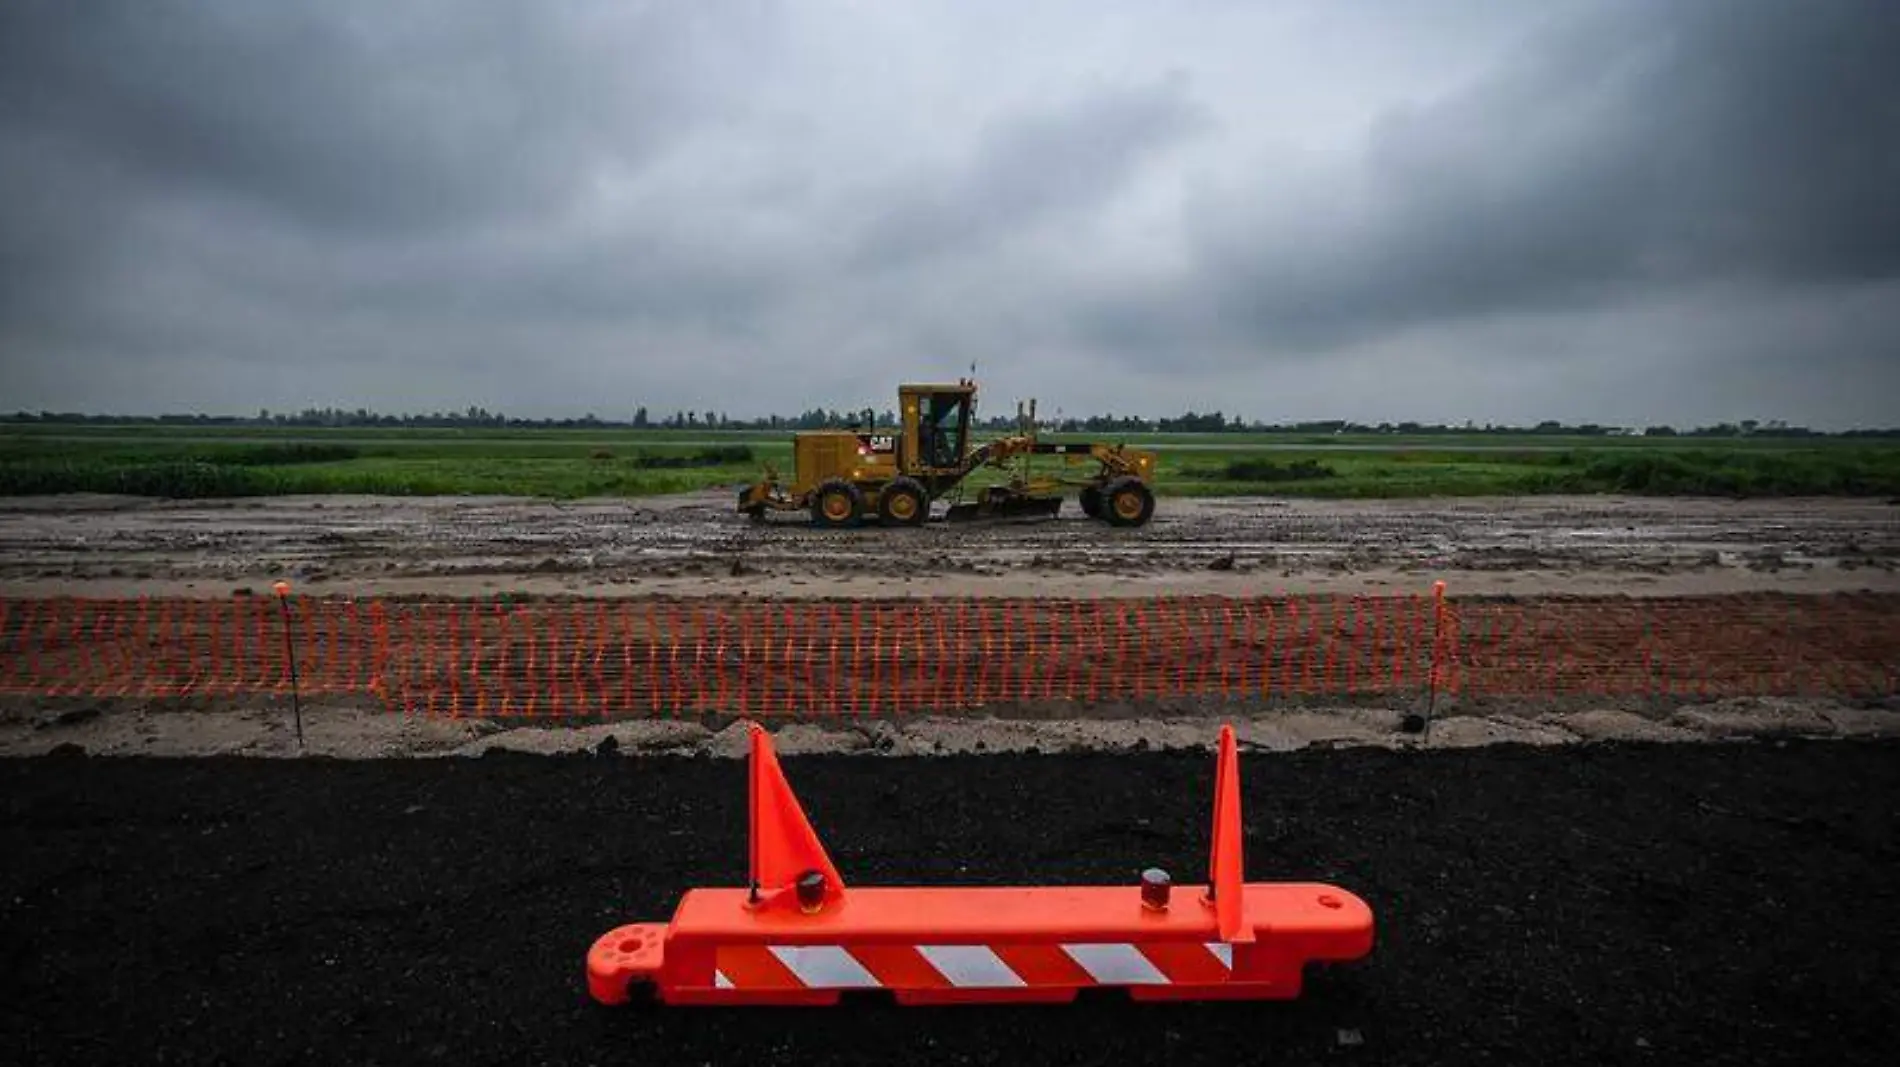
{"x":941,"y":431}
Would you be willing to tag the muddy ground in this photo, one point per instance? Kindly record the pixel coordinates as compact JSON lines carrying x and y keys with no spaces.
{"x":694,"y":544}
{"x":1604,"y":904}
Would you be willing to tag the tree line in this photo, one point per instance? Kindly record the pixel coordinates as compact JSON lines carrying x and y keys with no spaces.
{"x":820,"y":418}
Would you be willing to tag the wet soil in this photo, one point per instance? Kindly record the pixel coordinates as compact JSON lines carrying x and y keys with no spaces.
{"x":1624,"y":904}
{"x":694,"y":544}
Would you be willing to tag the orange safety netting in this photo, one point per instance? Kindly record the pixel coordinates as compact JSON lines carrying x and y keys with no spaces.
{"x":773,"y":657}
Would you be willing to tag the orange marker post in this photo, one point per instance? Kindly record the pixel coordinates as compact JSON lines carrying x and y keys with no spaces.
{"x":796,"y":935}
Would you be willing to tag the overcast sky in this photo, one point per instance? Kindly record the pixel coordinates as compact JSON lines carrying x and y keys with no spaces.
{"x":1627,"y":212}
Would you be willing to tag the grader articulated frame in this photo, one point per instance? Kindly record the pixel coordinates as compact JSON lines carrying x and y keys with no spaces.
{"x":843,"y":477}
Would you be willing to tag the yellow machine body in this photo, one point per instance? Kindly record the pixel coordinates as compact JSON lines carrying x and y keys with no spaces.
{"x":894,"y":474}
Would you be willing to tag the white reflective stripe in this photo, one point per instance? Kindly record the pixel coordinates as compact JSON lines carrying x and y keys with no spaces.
{"x":825,"y":967}
{"x":1222,"y":952}
{"x":970,"y":966}
{"x":720,"y":981}
{"x":1116,"y":964}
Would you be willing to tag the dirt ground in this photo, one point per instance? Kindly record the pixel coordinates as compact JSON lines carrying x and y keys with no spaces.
{"x":1617,"y":904}
{"x":695,"y":545}
{"x":1545,"y":549}
{"x":366,"y":730}
{"x":1594,"y":880}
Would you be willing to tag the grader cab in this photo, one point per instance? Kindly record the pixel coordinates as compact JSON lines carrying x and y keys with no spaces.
{"x":895,"y":474}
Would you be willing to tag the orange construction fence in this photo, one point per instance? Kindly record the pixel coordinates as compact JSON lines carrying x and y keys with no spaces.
{"x":605,"y":657}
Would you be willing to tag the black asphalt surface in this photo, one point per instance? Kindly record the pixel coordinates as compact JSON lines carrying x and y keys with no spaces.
{"x":1644,"y":905}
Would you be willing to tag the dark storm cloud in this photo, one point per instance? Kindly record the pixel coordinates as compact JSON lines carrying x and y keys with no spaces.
{"x":1619,"y":156}
{"x":355,"y":157}
{"x":346,"y":116}
{"x":1601,"y":205}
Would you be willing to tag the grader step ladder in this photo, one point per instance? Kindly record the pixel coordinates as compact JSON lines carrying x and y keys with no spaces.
{"x":795,"y":935}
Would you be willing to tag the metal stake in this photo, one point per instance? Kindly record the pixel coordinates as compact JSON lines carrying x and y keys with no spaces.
{"x":282,"y":589}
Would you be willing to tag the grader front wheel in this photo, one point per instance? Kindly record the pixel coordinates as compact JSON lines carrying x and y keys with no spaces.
{"x":837,"y":503}
{"x":1127,"y":502}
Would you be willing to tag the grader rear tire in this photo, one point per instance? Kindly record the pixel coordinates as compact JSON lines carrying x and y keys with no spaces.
{"x":1127,"y":502}
{"x":836,"y":504}
{"x":1092,"y":501}
{"x":903,"y":503}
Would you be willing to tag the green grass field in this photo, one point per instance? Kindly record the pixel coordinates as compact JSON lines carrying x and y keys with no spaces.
{"x":193,"y":462}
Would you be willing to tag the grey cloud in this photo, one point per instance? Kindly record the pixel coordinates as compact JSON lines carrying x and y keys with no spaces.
{"x":356,"y":116}
{"x":343,"y":158}
{"x":1031,"y":169}
{"x":1648,"y":146}
{"x":1303,"y":210}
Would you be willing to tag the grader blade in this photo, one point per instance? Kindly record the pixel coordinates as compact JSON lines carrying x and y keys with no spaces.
{"x":1006,"y":510}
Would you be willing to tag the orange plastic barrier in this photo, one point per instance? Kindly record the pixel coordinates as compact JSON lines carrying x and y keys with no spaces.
{"x":601,"y":658}
{"x":795,"y":935}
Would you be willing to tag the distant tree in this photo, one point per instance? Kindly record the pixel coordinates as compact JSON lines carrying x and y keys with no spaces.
{"x":1103,"y":424}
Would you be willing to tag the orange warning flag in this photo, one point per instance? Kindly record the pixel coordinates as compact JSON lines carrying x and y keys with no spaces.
{"x":784,"y":845}
{"x":1224,"y":874}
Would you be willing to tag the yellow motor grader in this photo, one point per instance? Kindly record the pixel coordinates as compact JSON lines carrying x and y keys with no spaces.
{"x":844,"y":477}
